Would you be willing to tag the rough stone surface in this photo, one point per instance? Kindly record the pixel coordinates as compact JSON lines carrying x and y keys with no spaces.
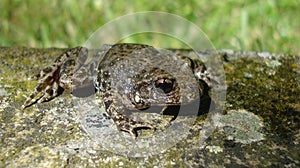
{"x":259,"y":127}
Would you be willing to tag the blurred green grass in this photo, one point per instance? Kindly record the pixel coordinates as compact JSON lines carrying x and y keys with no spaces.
{"x":269,"y":25}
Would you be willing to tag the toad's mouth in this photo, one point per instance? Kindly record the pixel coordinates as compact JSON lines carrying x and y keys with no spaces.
{"x":195,"y":108}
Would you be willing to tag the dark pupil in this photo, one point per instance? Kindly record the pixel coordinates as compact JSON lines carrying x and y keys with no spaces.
{"x":164,"y":84}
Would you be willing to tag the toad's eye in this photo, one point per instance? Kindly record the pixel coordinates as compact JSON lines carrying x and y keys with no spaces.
{"x":166,"y":85}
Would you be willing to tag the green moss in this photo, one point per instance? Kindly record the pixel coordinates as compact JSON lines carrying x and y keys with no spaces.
{"x":271,"y":96}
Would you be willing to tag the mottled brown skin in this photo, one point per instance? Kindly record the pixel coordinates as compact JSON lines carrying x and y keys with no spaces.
{"x":128,"y":77}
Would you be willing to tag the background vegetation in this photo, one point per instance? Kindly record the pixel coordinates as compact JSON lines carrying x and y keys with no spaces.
{"x":269,"y":25}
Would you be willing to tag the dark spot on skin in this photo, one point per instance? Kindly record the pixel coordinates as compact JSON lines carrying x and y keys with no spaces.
{"x":107,"y":103}
{"x":106,"y":116}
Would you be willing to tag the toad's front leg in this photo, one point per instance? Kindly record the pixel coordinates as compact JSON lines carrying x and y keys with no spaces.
{"x":54,"y":79}
{"x":115,"y":109}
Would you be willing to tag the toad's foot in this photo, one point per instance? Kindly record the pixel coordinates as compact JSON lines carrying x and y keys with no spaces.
{"x":132,"y":127}
{"x":112,"y":104}
{"x":55,"y":78}
{"x":47,"y":89}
